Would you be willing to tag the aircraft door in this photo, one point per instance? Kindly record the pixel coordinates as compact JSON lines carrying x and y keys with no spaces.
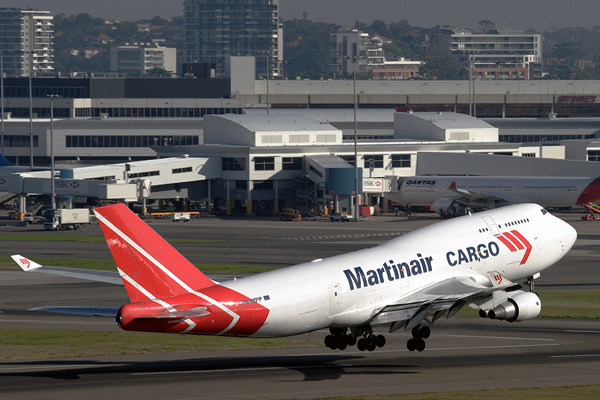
{"x":491,"y":225}
{"x":335,"y":298}
{"x":399,"y":184}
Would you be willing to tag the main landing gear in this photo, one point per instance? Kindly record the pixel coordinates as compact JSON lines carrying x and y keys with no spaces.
{"x":417,"y":342}
{"x":340,"y":339}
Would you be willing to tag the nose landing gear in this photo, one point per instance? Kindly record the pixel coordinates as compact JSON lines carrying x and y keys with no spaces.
{"x":417,"y":342}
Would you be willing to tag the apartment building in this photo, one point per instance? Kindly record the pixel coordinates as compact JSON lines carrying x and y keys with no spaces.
{"x":25,"y":41}
{"x":215,"y":29}
{"x":139,"y":59}
{"x":499,"y":54}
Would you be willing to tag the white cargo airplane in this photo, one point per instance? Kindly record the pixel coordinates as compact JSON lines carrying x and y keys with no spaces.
{"x":448,"y":194}
{"x":475,"y":260}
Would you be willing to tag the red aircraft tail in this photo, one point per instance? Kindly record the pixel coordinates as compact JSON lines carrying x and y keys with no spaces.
{"x":149,"y":266}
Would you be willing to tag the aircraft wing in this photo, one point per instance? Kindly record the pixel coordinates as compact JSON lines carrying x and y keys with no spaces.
{"x":472,"y":196}
{"x":450,"y":294}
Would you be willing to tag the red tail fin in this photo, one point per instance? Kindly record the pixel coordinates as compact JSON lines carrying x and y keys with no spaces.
{"x":150,"y":267}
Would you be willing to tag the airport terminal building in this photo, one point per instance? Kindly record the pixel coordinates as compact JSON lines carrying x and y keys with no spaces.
{"x":268,"y":156}
{"x":242,"y":163}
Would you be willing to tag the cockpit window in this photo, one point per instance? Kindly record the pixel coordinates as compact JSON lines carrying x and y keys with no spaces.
{"x":544,"y":212}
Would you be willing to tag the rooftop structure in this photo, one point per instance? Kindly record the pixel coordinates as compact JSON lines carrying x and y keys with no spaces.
{"x":270,"y":130}
{"x":443,"y":126}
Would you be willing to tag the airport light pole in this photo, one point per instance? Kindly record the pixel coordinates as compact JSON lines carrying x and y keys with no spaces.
{"x":471,"y":84}
{"x":354,"y":60}
{"x":2,"y":97}
{"x":30,"y":52}
{"x":52,"y":193}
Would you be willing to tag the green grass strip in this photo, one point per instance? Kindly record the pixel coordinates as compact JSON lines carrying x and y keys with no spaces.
{"x":109,"y":265}
{"x":28,"y":344}
{"x":28,"y":237}
{"x":588,"y":392}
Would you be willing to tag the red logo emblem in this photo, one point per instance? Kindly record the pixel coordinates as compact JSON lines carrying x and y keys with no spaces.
{"x":2,"y":181}
{"x":25,"y":262}
{"x":515,"y":241}
{"x":74,"y":185}
{"x":498,"y":278}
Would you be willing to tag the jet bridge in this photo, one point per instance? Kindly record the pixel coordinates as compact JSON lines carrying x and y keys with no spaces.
{"x":331,"y":176}
{"x":152,"y":179}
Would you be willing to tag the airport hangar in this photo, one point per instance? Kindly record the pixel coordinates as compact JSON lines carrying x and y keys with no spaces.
{"x":263,"y":163}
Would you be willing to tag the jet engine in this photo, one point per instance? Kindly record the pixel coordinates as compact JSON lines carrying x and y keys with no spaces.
{"x":448,"y":207}
{"x":520,"y":307}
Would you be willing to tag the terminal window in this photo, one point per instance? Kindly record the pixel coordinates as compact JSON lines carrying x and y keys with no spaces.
{"x":400,"y":160}
{"x":291,"y":163}
{"x":594,"y":155}
{"x":373,"y":161}
{"x":263,"y":185}
{"x":233,"y":164}
{"x":128,"y":141}
{"x":264,"y":163}
{"x":348,"y":159}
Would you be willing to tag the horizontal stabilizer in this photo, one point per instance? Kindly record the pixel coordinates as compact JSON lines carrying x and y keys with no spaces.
{"x":89,"y":311}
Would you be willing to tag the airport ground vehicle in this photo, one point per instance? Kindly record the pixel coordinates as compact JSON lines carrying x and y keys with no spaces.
{"x":340,"y":217}
{"x":180,"y":216}
{"x":290,"y":214}
{"x":65,"y":218}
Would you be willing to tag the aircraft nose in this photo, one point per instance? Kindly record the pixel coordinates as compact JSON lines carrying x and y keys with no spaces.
{"x":570,"y":236}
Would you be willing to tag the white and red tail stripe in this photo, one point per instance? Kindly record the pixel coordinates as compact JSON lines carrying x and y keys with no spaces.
{"x":150,"y":267}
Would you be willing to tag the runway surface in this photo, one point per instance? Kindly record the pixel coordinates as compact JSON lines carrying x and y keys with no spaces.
{"x":462,"y":353}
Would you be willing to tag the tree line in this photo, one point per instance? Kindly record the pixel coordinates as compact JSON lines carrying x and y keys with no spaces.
{"x":573,"y":52}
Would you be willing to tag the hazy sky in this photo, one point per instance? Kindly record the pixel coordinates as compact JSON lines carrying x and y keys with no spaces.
{"x":517,"y":14}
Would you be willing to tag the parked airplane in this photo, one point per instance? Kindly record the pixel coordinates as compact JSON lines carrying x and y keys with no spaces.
{"x":450,"y":194}
{"x":474,"y":260}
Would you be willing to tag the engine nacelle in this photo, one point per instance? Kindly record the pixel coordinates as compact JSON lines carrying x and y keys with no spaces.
{"x":520,"y":307}
{"x":447,"y":207}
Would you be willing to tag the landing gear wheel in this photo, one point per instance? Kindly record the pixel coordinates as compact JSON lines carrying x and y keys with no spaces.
{"x":415,"y":331}
{"x":420,"y":345}
{"x":330,"y":342}
{"x":424,"y":332}
{"x":380,"y":340}
{"x":371,"y":344}
{"x":362,"y":344}
{"x":350,"y":340}
{"x":411,"y":345}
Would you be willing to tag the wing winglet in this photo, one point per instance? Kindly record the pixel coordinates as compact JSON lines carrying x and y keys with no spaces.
{"x":25,"y":263}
